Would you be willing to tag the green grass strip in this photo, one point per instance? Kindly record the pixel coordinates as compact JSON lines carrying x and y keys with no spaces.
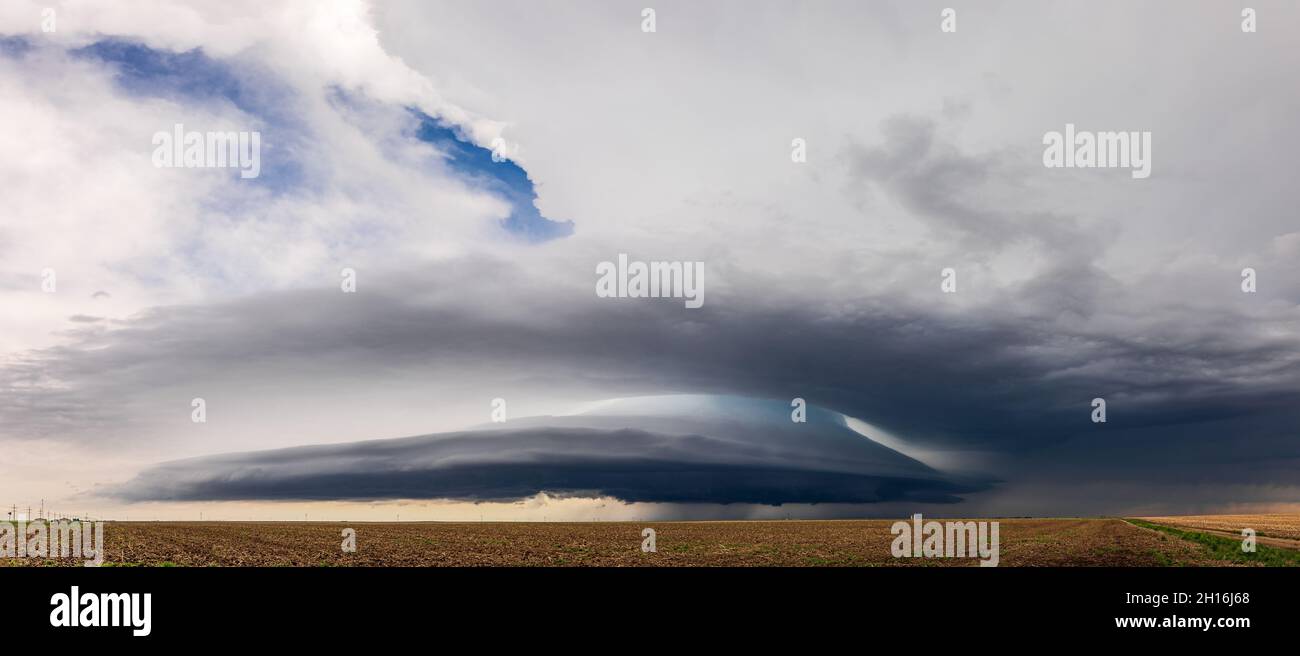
{"x":1222,"y":548}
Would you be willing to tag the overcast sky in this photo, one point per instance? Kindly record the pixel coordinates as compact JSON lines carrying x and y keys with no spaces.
{"x":475,"y":279}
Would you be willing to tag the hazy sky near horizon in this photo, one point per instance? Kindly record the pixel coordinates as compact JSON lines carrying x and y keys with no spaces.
{"x":924,"y":152}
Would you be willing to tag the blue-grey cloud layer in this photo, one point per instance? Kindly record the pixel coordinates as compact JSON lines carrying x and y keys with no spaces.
{"x":743,"y":460}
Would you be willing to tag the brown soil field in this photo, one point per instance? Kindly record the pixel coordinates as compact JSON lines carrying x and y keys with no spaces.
{"x":1283,"y":529}
{"x":1024,"y":543}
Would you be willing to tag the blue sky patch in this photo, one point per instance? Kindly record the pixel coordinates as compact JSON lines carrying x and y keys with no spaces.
{"x":193,"y":77}
{"x":505,"y":179}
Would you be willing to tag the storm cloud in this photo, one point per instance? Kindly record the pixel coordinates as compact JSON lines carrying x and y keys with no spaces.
{"x":994,"y":378}
{"x":731,"y":460}
{"x":822,"y":277}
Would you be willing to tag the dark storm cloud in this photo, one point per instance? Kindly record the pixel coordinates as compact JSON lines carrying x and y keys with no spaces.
{"x":1193,"y":396}
{"x":506,"y":465}
{"x":998,"y":380}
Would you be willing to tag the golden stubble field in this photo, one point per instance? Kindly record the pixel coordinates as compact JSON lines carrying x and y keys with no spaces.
{"x":1024,"y":542}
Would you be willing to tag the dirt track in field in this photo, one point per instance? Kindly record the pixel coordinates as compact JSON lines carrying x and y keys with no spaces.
{"x":1278,"y":530}
{"x":1024,"y":542}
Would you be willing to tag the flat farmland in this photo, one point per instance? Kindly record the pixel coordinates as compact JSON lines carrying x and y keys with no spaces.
{"x":1023,"y":543}
{"x":1279,"y":529}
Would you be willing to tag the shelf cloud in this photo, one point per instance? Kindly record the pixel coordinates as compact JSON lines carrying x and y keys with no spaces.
{"x":725,"y":460}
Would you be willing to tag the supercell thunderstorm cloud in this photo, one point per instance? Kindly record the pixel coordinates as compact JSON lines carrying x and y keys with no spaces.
{"x":246,"y":248}
{"x":752,"y":459}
